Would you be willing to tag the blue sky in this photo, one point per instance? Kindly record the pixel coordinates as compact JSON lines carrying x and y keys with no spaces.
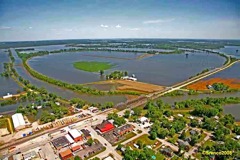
{"x":79,"y":19}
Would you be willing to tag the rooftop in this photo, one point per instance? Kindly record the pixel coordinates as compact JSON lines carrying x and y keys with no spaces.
{"x":105,"y":126}
{"x":65,"y":153}
{"x":18,"y":120}
{"x":60,"y":141}
{"x":74,"y":133}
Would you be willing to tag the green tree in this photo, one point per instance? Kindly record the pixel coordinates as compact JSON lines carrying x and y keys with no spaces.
{"x":77,"y":158}
{"x":90,"y":142}
{"x":127,"y":114}
{"x":101,"y":72}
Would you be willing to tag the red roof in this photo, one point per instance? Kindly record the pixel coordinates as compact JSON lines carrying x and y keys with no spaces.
{"x":107,"y":127}
{"x":65,"y":153}
{"x":76,"y":148}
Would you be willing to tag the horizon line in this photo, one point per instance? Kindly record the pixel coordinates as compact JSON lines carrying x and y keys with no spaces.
{"x":118,"y":39}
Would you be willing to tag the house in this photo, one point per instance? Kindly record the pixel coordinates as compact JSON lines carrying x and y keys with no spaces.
{"x":180,"y":115}
{"x":182,"y":143}
{"x":105,"y":126}
{"x":7,"y":96}
{"x":76,"y":135}
{"x":193,"y":132}
{"x":167,"y":152}
{"x":143,"y":120}
{"x":18,"y":121}
{"x":86,"y":133}
{"x":237,"y":137}
{"x":123,"y":130}
{"x":66,"y":154}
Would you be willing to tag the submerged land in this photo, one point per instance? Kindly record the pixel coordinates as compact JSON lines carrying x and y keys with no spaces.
{"x":159,"y":98}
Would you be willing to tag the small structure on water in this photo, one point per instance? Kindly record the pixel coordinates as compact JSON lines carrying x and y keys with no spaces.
{"x":7,"y":96}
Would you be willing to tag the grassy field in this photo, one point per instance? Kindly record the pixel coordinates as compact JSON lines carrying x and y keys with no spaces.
{"x":92,"y":66}
{"x":145,"y":139}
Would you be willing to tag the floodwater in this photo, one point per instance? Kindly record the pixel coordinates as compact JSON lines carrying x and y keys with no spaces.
{"x":162,"y":69}
{"x":172,"y":99}
{"x":231,"y":72}
{"x":68,"y":94}
{"x":7,"y":85}
{"x":230,"y":50}
{"x":233,"y":109}
{"x":44,"y":48}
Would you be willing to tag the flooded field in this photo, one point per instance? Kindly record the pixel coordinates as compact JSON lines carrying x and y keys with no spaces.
{"x":158,"y":69}
{"x":44,"y":48}
{"x":233,"y":109}
{"x":7,"y":85}
{"x":230,"y":50}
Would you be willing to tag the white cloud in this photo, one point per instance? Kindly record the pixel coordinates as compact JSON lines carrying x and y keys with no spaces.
{"x":118,"y":26}
{"x":29,"y":27}
{"x":4,"y":28}
{"x":104,"y":26}
{"x":158,"y":21}
{"x":134,"y":29}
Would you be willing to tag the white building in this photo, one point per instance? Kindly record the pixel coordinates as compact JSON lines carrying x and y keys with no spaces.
{"x":69,"y":138}
{"x":7,"y":96}
{"x":18,"y":121}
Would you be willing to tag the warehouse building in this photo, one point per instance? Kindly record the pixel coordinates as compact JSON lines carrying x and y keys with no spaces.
{"x":60,"y":142}
{"x":18,"y":121}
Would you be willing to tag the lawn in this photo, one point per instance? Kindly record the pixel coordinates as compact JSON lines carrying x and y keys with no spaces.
{"x":145,"y":139}
{"x":92,"y":66}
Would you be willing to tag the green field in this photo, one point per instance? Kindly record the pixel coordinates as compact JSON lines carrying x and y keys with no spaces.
{"x":92,"y":66}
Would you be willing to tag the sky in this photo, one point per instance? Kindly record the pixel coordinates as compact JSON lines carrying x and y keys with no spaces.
{"x":26,"y":20}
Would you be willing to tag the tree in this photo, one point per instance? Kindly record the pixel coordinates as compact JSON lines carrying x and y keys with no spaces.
{"x":77,"y":158}
{"x":140,"y":144}
{"x":101,"y":72}
{"x":153,"y":135}
{"x":183,"y":135}
{"x":90,"y":142}
{"x":194,"y":123}
{"x":127,"y":114}
{"x":172,"y":132}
